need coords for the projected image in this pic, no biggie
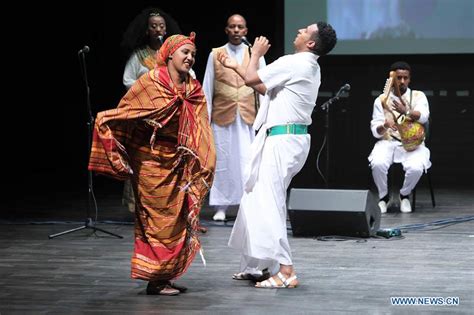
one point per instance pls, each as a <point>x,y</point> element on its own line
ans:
<point>401,19</point>
<point>388,26</point>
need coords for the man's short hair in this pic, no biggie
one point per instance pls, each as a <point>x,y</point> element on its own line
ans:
<point>326,39</point>
<point>400,65</point>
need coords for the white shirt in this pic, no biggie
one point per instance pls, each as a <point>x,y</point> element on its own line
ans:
<point>134,70</point>
<point>292,83</point>
<point>419,103</point>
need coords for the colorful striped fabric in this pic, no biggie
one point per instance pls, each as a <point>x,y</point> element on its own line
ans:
<point>147,57</point>
<point>160,137</point>
<point>171,44</point>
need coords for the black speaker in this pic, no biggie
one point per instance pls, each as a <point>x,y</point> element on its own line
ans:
<point>320,212</point>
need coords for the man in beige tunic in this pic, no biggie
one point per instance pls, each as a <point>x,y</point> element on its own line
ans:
<point>231,107</point>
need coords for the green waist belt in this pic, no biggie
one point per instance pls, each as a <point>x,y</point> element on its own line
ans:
<point>294,129</point>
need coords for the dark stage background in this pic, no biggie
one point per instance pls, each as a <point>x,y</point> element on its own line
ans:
<point>45,128</point>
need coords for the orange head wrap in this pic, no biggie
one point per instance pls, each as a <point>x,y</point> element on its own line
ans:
<point>171,44</point>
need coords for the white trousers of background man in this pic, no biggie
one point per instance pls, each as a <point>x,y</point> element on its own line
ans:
<point>387,152</point>
<point>232,144</point>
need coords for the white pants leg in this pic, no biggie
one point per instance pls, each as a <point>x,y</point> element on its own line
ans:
<point>413,171</point>
<point>232,145</point>
<point>260,231</point>
<point>386,152</point>
<point>381,158</point>
<point>221,208</point>
<point>255,266</point>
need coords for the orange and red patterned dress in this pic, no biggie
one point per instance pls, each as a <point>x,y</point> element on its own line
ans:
<point>160,137</point>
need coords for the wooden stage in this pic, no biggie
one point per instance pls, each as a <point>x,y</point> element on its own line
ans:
<point>86,273</point>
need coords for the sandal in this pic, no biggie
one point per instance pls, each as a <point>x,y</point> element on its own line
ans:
<point>180,288</point>
<point>160,288</point>
<point>286,283</point>
<point>248,276</point>
<point>243,276</point>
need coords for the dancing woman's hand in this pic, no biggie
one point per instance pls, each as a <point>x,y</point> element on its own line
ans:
<point>227,61</point>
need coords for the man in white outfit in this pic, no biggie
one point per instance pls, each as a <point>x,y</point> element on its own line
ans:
<point>279,151</point>
<point>231,107</point>
<point>412,105</point>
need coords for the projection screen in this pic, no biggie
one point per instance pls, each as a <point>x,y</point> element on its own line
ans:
<point>388,26</point>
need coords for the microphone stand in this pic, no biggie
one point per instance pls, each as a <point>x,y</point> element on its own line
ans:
<point>325,107</point>
<point>255,94</point>
<point>89,222</point>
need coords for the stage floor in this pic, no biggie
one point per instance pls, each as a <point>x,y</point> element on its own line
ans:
<point>82,272</point>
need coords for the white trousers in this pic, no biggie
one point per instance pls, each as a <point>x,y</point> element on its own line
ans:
<point>232,154</point>
<point>260,231</point>
<point>387,152</point>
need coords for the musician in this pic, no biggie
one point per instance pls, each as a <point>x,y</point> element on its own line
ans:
<point>387,125</point>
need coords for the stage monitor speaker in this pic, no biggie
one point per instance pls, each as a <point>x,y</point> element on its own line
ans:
<point>322,212</point>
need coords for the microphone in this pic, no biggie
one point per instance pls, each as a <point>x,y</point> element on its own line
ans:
<point>346,87</point>
<point>84,50</point>
<point>160,38</point>
<point>245,41</point>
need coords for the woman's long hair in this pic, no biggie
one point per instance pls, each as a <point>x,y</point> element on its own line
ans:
<point>135,36</point>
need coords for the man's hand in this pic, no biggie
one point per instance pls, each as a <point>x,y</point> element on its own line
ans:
<point>400,107</point>
<point>260,46</point>
<point>389,124</point>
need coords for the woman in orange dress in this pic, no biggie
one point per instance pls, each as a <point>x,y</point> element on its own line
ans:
<point>159,136</point>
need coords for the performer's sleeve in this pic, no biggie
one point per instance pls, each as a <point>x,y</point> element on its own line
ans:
<point>208,83</point>
<point>421,105</point>
<point>276,74</point>
<point>108,156</point>
<point>130,73</point>
<point>378,118</point>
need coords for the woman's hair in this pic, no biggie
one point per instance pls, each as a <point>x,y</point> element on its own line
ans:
<point>135,36</point>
